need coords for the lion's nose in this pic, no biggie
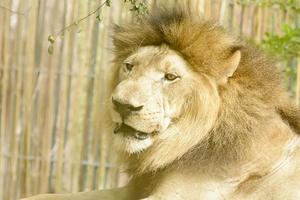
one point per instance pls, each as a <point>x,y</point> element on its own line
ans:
<point>125,109</point>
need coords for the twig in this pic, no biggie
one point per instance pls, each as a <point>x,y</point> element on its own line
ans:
<point>140,8</point>
<point>81,19</point>
<point>12,11</point>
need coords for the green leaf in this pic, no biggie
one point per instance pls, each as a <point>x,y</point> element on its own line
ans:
<point>50,49</point>
<point>99,18</point>
<point>51,39</point>
<point>108,3</point>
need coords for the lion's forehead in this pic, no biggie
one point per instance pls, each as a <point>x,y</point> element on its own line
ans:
<point>161,59</point>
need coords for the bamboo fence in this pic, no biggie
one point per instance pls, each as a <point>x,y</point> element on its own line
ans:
<point>52,134</point>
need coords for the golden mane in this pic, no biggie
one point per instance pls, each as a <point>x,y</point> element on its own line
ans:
<point>252,96</point>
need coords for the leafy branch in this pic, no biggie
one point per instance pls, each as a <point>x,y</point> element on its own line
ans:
<point>139,7</point>
<point>286,45</point>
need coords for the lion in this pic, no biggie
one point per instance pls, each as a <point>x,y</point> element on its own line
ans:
<point>198,114</point>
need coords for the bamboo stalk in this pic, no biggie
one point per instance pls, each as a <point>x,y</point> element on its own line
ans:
<point>30,64</point>
<point>103,136</point>
<point>90,106</point>
<point>47,132</point>
<point>83,48</point>
<point>4,98</point>
<point>59,119</point>
<point>70,58</point>
<point>298,82</point>
<point>223,12</point>
<point>207,10</point>
<point>39,94</point>
<point>202,6</point>
<point>231,11</point>
<point>242,19</point>
<point>16,127</point>
<point>259,24</point>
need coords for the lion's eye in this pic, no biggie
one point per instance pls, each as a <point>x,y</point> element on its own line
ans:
<point>128,66</point>
<point>171,77</point>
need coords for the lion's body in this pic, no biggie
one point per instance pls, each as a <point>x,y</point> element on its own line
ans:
<point>234,133</point>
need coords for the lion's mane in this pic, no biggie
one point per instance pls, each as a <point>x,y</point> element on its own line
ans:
<point>252,96</point>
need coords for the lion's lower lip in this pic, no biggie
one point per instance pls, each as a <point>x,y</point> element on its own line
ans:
<point>130,132</point>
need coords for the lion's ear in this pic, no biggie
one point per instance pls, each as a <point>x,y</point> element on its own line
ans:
<point>229,67</point>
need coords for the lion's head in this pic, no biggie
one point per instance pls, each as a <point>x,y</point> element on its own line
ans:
<point>158,90</point>
<point>181,81</point>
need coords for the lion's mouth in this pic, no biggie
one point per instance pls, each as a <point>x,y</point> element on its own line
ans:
<point>128,131</point>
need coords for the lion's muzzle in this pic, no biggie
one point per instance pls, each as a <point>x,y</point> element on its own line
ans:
<point>125,109</point>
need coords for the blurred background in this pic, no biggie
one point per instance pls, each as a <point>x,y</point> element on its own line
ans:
<point>55,58</point>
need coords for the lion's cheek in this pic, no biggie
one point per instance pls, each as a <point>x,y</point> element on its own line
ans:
<point>173,108</point>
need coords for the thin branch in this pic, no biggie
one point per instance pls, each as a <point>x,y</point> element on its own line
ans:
<point>139,7</point>
<point>81,19</point>
<point>12,11</point>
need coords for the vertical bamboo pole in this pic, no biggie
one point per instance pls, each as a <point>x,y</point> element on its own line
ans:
<point>9,144</point>
<point>59,119</point>
<point>298,82</point>
<point>223,12</point>
<point>297,23</point>
<point>242,18</point>
<point>79,102</point>
<point>2,24</point>
<point>16,127</point>
<point>207,10</point>
<point>86,170</point>
<point>4,91</point>
<point>70,58</point>
<point>231,17</point>
<point>30,64</point>
<point>259,24</point>
<point>39,95</point>
<point>89,109</point>
<point>49,89</point>
<point>202,6</point>
<point>90,104</point>
<point>104,139</point>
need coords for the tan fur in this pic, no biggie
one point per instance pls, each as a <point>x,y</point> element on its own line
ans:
<point>236,134</point>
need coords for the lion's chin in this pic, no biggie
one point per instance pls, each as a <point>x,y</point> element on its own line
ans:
<point>131,140</point>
